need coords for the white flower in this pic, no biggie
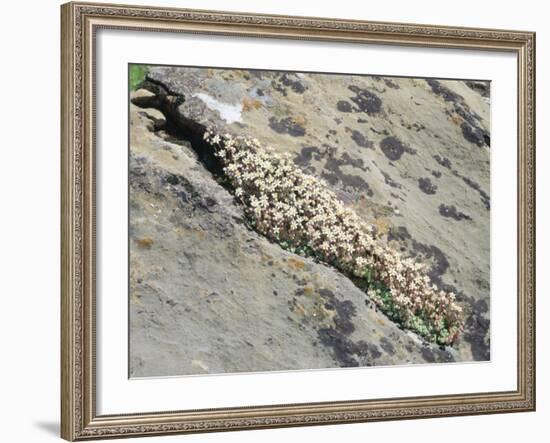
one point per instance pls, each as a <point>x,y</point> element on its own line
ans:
<point>280,194</point>
<point>361,262</point>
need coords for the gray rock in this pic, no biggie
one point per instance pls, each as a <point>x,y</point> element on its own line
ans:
<point>208,295</point>
<point>157,119</point>
<point>374,140</point>
<point>143,98</point>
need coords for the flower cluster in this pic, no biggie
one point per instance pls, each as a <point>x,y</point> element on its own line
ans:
<point>297,211</point>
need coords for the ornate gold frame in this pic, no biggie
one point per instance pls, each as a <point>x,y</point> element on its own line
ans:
<point>79,21</point>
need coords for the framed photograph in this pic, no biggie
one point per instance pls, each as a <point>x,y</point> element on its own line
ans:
<point>282,221</point>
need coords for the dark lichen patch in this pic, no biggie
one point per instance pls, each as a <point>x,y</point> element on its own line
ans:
<point>343,349</point>
<point>418,127</point>
<point>412,126</point>
<point>485,199</point>
<point>452,212</point>
<point>445,356</point>
<point>344,106</point>
<point>481,306</point>
<point>369,349</point>
<point>426,186</point>
<point>293,83</point>
<point>358,163</point>
<point>336,337</point>
<point>287,126</point>
<point>184,190</point>
<point>288,81</point>
<point>427,354</point>
<point>348,180</point>
<point>347,352</point>
<point>390,83</point>
<point>382,132</point>
<point>436,355</point>
<point>333,173</point>
<point>386,345</point>
<point>439,261</point>
<point>443,91</point>
<point>361,140</point>
<point>483,88</point>
<point>389,181</point>
<point>467,115</point>
<point>443,161</point>
<point>482,284</point>
<point>365,101</point>
<point>345,310</point>
<point>279,87</point>
<point>471,129</point>
<point>306,155</point>
<point>475,135</point>
<point>397,197</point>
<point>401,234</point>
<point>477,334</point>
<point>172,179</point>
<point>392,148</point>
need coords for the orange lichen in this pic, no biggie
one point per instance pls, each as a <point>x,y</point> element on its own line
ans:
<point>145,242</point>
<point>296,264</point>
<point>250,104</point>
<point>456,119</point>
<point>299,120</point>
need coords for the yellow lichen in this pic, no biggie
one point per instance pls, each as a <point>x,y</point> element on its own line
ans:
<point>382,225</point>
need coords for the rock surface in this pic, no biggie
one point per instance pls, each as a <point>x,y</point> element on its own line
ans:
<point>208,295</point>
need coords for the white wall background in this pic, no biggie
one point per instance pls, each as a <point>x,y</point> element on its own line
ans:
<point>29,225</point>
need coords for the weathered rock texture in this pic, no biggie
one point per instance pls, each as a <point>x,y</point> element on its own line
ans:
<point>208,295</point>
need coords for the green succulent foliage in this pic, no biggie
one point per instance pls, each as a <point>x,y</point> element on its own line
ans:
<point>417,323</point>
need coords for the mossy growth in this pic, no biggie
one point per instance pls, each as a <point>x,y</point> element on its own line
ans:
<point>136,74</point>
